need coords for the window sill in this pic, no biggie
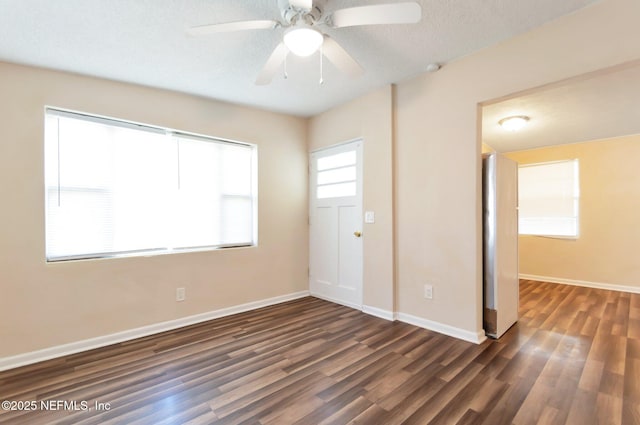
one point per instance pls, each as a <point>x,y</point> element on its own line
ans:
<point>144,253</point>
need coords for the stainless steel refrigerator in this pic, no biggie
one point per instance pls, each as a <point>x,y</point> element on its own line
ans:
<point>500,247</point>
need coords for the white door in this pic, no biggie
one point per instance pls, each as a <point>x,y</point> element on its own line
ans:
<point>335,224</point>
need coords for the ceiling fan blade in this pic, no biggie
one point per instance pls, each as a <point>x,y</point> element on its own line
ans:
<point>340,58</point>
<point>231,26</point>
<point>301,4</point>
<point>278,56</point>
<point>394,13</point>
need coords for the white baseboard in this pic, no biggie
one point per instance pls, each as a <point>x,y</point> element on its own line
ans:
<point>337,301</point>
<point>373,311</point>
<point>378,312</point>
<point>597,285</point>
<point>102,341</point>
<point>475,337</point>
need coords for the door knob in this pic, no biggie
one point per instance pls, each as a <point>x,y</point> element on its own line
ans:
<point>357,234</point>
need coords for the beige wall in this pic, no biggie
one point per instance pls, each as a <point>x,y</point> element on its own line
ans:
<point>44,305</point>
<point>437,187</point>
<point>369,118</point>
<point>607,249</point>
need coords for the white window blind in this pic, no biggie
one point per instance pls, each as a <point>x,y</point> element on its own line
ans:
<point>115,188</point>
<point>549,197</point>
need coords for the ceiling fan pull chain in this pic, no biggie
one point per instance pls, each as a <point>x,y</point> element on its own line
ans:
<point>321,55</point>
<point>285,66</point>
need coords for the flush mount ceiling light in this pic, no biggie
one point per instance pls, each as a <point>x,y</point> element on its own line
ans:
<point>302,40</point>
<point>514,123</point>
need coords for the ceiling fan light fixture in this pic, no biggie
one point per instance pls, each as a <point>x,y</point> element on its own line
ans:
<point>303,40</point>
<point>514,123</point>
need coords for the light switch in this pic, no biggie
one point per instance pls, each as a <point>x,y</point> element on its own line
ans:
<point>369,217</point>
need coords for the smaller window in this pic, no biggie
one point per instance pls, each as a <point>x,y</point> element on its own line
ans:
<point>549,198</point>
<point>336,176</point>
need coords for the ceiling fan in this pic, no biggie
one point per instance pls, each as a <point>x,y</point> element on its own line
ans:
<point>302,20</point>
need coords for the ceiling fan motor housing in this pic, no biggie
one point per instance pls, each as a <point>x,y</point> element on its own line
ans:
<point>291,14</point>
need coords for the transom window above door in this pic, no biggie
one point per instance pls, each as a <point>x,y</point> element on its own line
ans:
<point>336,175</point>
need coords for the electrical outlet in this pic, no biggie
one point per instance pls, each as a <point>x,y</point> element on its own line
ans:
<point>428,292</point>
<point>181,294</point>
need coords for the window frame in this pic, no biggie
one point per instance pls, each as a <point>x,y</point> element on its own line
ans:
<point>169,133</point>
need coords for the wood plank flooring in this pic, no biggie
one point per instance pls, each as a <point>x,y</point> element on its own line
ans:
<point>573,358</point>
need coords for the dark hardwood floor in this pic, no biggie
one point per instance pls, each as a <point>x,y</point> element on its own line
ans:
<point>573,358</point>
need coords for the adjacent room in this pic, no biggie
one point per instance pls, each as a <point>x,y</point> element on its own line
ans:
<point>592,121</point>
<point>210,220</point>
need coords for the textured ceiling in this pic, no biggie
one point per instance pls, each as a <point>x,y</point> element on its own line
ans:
<point>597,107</point>
<point>144,42</point>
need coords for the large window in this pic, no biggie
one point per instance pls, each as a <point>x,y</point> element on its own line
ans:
<point>549,198</point>
<point>115,188</point>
